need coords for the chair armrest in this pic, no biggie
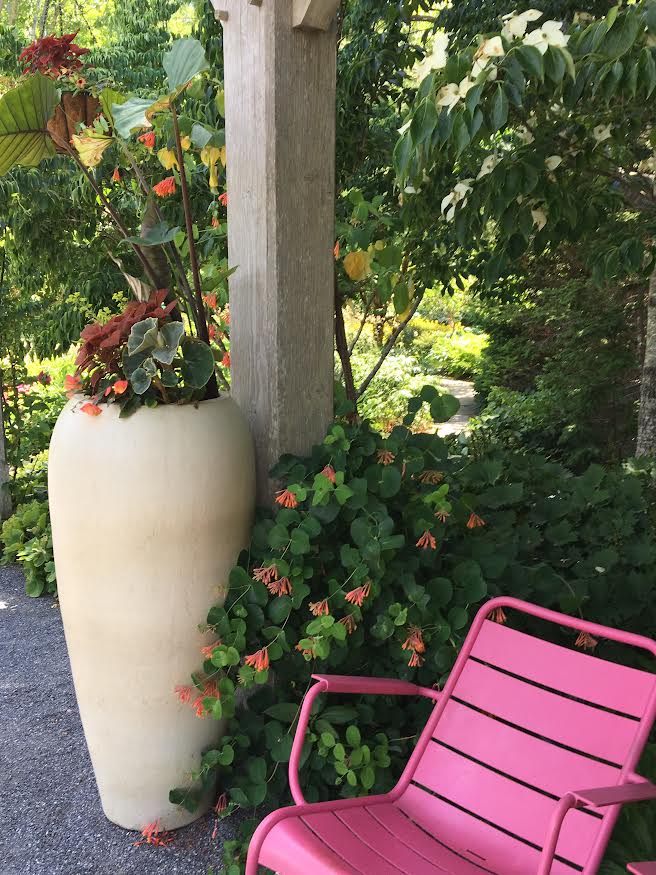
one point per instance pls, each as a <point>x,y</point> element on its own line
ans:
<point>599,797</point>
<point>338,683</point>
<point>618,795</point>
<point>335,683</point>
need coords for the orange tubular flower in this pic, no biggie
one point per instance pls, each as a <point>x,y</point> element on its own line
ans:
<point>265,574</point>
<point>474,521</point>
<point>116,175</point>
<point>358,595</point>
<point>286,498</point>
<point>320,609</point>
<point>215,222</point>
<point>223,199</point>
<point>427,542</point>
<point>415,660</point>
<point>336,250</point>
<point>91,409</point>
<point>498,615</point>
<point>225,361</point>
<point>221,804</point>
<point>349,623</point>
<point>209,650</point>
<point>385,457</point>
<point>259,660</point>
<point>148,139</point>
<point>442,515</point>
<point>280,587</point>
<point>211,689</point>
<point>415,640</point>
<point>152,836</point>
<point>431,477</point>
<point>166,187</point>
<point>329,472</point>
<point>586,641</point>
<point>183,694</point>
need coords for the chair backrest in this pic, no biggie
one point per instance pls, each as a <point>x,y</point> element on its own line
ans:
<point>522,722</point>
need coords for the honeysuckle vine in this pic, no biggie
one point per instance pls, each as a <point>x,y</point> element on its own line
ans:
<point>379,551</point>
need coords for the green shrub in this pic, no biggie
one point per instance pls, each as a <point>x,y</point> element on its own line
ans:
<point>346,578</point>
<point>560,371</point>
<point>27,538</point>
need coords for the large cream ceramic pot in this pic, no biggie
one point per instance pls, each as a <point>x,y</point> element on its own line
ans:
<point>148,514</point>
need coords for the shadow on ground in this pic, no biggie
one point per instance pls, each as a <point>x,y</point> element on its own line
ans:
<point>51,822</point>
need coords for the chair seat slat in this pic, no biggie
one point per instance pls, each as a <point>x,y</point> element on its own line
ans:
<point>361,857</point>
<point>474,839</point>
<point>577,674</point>
<point>546,766</point>
<point>511,806</point>
<point>403,829</point>
<point>370,831</point>
<point>581,727</point>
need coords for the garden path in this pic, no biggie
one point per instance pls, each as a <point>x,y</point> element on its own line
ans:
<point>465,393</point>
<point>51,822</point>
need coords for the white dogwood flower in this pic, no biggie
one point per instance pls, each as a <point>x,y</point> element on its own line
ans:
<point>516,24</point>
<point>491,48</point>
<point>553,161</point>
<point>488,166</point>
<point>437,58</point>
<point>455,197</point>
<point>550,34</point>
<point>524,134</point>
<point>451,94</point>
<point>601,133</point>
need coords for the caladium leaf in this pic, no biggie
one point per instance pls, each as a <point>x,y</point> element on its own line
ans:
<point>197,364</point>
<point>168,341</point>
<point>24,114</point>
<point>143,336</point>
<point>183,62</point>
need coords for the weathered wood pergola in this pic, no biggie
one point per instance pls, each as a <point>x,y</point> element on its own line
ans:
<point>280,72</point>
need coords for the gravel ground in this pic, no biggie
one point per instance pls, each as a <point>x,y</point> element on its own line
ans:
<point>51,822</point>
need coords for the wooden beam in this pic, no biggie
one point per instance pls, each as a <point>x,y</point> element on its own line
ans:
<point>280,138</point>
<point>315,14</point>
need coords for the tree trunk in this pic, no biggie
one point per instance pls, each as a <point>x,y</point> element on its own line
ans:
<point>5,498</point>
<point>647,417</point>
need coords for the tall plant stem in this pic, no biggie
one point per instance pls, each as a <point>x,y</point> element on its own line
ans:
<point>186,202</point>
<point>343,351</point>
<point>171,248</point>
<point>111,212</point>
<point>389,346</point>
<point>212,390</point>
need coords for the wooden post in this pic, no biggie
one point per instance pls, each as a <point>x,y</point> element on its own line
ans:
<point>280,138</point>
<point>5,498</point>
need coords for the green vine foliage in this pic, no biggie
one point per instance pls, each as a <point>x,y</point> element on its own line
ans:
<point>374,564</point>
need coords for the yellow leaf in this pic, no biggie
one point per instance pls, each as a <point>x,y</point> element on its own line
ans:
<point>168,159</point>
<point>185,142</point>
<point>90,147</point>
<point>209,155</point>
<point>356,265</point>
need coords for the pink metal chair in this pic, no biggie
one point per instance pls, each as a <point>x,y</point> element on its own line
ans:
<point>493,785</point>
